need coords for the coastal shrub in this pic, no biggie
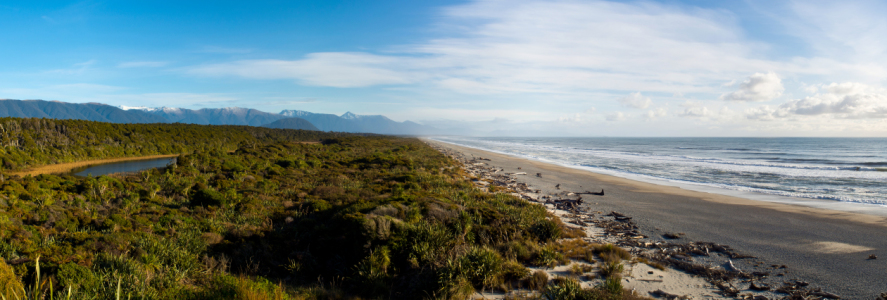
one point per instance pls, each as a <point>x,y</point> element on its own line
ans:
<point>549,257</point>
<point>208,197</point>
<point>10,284</point>
<point>565,289</point>
<point>546,230</point>
<point>578,269</point>
<point>610,253</point>
<point>577,249</point>
<point>482,266</point>
<point>373,217</point>
<point>318,205</point>
<point>77,277</point>
<point>537,281</point>
<point>244,288</point>
<point>612,285</point>
<point>611,268</point>
<point>513,271</point>
<point>521,250</point>
<point>373,270</point>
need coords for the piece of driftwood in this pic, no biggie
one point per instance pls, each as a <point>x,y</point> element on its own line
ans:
<point>730,267</point>
<point>663,294</point>
<point>825,295</point>
<point>759,287</point>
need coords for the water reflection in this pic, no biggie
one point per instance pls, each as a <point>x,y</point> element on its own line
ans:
<point>124,167</point>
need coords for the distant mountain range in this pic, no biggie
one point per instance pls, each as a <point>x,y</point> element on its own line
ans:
<point>289,119</point>
<point>292,123</point>
<point>212,116</point>
<point>349,122</point>
<point>86,111</point>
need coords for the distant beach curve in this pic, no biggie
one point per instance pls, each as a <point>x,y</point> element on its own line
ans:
<point>844,174</point>
<point>828,248</point>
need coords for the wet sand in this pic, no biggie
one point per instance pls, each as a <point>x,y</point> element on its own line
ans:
<point>827,248</point>
<point>67,167</point>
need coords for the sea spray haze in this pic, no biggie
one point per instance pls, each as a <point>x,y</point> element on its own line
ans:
<point>841,169</point>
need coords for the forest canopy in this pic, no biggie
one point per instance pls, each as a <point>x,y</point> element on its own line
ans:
<point>31,142</point>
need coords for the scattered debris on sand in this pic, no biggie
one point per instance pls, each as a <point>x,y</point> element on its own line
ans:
<point>711,264</point>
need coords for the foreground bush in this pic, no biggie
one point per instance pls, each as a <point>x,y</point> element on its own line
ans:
<point>371,217</point>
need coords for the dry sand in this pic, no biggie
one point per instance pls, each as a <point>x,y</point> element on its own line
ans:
<point>67,167</point>
<point>827,248</point>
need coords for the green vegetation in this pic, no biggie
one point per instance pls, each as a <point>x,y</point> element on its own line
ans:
<point>375,217</point>
<point>253,213</point>
<point>26,143</point>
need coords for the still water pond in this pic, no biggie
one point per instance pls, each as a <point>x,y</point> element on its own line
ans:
<point>124,167</point>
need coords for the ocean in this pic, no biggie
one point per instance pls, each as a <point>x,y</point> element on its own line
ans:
<point>852,170</point>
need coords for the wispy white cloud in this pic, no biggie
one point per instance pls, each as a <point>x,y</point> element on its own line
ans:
<point>77,68</point>
<point>616,116</point>
<point>758,87</point>
<point>344,70</point>
<point>839,100</point>
<point>635,100</point>
<point>696,112</point>
<point>563,47</point>
<point>547,60</point>
<point>656,113</point>
<point>69,92</point>
<point>170,99</point>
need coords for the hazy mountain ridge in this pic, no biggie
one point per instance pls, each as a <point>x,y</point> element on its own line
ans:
<point>350,122</point>
<point>78,111</point>
<point>291,123</point>
<point>347,122</point>
<point>213,116</point>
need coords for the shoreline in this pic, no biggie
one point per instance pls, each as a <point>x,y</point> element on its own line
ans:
<point>733,196</point>
<point>67,167</point>
<point>826,248</point>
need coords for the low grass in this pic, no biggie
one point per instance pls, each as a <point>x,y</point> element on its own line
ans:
<point>611,253</point>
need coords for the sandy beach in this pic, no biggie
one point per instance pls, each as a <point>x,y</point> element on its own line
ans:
<point>829,249</point>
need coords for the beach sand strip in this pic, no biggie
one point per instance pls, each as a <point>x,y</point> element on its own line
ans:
<point>773,246</point>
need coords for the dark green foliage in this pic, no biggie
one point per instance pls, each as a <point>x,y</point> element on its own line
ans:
<point>208,197</point>
<point>378,217</point>
<point>547,230</point>
<point>79,277</point>
<point>26,143</point>
<point>570,289</point>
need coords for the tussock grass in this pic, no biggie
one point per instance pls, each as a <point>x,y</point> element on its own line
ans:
<point>537,281</point>
<point>611,268</point>
<point>610,253</point>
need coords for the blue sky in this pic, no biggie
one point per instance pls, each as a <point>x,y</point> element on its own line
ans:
<point>650,68</point>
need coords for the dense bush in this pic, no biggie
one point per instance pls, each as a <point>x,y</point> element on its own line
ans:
<point>376,217</point>
<point>32,142</point>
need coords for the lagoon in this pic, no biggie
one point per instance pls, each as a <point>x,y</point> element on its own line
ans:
<point>124,167</point>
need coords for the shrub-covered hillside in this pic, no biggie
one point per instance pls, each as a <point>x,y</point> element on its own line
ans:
<point>369,217</point>
<point>32,142</point>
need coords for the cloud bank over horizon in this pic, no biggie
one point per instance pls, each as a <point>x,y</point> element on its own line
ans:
<point>569,68</point>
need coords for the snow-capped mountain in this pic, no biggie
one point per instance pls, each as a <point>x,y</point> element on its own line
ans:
<point>351,122</point>
<point>347,122</point>
<point>80,111</point>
